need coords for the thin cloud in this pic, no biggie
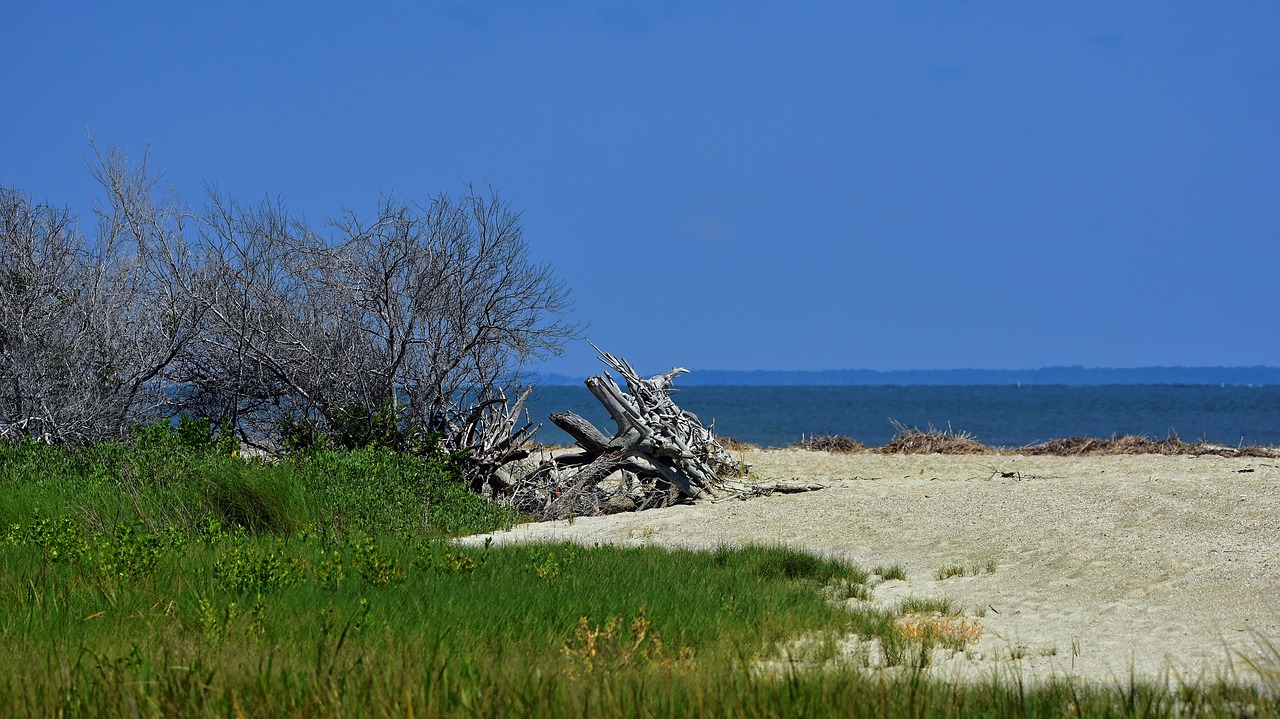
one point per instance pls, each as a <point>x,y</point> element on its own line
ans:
<point>708,229</point>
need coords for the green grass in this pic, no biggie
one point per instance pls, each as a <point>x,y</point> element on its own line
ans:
<point>165,483</point>
<point>216,623</point>
<point>171,620</point>
<point>160,579</point>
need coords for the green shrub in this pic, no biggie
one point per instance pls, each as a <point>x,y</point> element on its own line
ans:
<point>190,435</point>
<point>171,476</point>
<point>356,426</point>
<point>377,490</point>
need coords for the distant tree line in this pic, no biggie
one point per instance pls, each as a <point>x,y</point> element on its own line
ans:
<point>417,321</point>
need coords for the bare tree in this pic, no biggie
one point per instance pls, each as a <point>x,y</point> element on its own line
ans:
<point>273,341</point>
<point>40,256</point>
<point>143,315</point>
<point>429,314</point>
<point>452,305</point>
<point>89,326</point>
<point>431,311</point>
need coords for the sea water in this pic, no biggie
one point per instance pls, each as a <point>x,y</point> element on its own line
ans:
<point>996,415</point>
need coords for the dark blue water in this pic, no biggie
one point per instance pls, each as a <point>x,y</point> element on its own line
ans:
<point>1001,416</point>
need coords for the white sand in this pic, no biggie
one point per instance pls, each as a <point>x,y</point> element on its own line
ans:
<point>1169,566</point>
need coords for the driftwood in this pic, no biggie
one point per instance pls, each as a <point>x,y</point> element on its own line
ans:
<point>659,454</point>
<point>491,436</point>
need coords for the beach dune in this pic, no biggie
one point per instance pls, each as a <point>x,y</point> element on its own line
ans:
<point>1166,567</point>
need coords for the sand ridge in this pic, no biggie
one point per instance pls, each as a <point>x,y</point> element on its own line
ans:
<point>1168,566</point>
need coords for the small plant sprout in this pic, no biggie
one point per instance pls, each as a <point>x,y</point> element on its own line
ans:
<point>547,562</point>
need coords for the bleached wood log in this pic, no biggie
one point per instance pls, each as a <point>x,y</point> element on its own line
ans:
<point>582,431</point>
<point>589,476</point>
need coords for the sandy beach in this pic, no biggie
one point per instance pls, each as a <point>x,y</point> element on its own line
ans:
<point>1091,567</point>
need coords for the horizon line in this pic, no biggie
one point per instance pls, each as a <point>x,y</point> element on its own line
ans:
<point>1053,375</point>
<point>974,369</point>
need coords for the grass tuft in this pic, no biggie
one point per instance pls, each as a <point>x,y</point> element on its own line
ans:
<point>890,572</point>
<point>968,569</point>
<point>929,605</point>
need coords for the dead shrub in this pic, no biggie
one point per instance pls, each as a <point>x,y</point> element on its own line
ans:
<point>1140,444</point>
<point>911,440</point>
<point>835,443</point>
<point>1068,447</point>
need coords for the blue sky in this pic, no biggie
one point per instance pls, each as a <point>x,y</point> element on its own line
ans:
<point>906,185</point>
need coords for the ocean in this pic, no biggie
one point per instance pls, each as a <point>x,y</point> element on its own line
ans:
<point>996,415</point>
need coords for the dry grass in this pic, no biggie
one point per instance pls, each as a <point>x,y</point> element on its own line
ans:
<point>836,443</point>
<point>910,440</point>
<point>1138,444</point>
<point>951,632</point>
<point>734,445</point>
